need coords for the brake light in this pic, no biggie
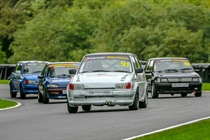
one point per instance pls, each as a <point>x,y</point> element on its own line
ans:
<point>128,85</point>
<point>71,86</point>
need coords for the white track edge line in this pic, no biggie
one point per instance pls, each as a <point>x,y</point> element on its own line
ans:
<point>167,128</point>
<point>18,104</point>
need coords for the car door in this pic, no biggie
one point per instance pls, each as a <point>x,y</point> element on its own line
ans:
<point>16,76</point>
<point>148,72</point>
<point>42,78</point>
<point>141,79</point>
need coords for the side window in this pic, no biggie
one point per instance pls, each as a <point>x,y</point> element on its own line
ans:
<point>44,70</point>
<point>134,62</point>
<point>19,67</point>
<point>137,62</point>
<point>149,65</point>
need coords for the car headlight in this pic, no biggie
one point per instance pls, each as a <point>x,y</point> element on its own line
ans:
<point>123,85</point>
<point>52,85</point>
<point>163,80</point>
<point>197,80</point>
<point>76,86</point>
<point>30,82</point>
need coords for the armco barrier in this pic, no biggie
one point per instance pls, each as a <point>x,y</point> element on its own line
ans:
<point>6,70</point>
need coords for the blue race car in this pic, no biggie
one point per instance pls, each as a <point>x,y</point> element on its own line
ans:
<point>24,78</point>
<point>54,79</point>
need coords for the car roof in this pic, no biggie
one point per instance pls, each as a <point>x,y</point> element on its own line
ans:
<point>109,53</point>
<point>32,61</point>
<point>159,58</point>
<point>63,62</point>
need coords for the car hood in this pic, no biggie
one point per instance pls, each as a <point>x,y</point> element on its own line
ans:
<point>192,74</point>
<point>102,77</point>
<point>58,79</point>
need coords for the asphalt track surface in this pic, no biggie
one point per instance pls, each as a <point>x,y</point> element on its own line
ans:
<point>35,121</point>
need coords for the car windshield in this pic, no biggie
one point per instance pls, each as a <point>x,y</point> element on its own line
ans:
<point>172,66</point>
<point>33,67</point>
<point>106,63</point>
<point>61,69</point>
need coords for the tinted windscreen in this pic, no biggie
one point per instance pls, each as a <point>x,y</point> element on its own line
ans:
<point>107,63</point>
<point>172,65</point>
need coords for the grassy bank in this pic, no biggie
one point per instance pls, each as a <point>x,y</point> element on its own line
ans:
<point>7,103</point>
<point>4,81</point>
<point>195,131</point>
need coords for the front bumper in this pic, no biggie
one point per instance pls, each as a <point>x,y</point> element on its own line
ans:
<point>56,93</point>
<point>167,88</point>
<point>83,97</point>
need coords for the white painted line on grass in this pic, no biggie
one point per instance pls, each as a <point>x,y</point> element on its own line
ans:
<point>18,104</point>
<point>171,127</point>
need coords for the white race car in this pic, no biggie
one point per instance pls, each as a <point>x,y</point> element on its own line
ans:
<point>107,79</point>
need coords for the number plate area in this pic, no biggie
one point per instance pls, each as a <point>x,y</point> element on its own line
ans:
<point>180,85</point>
<point>99,93</point>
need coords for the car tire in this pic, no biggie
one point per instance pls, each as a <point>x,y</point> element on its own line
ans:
<point>22,94</point>
<point>72,109</point>
<point>40,97</point>
<point>135,105</point>
<point>145,102</point>
<point>198,93</point>
<point>12,94</point>
<point>154,93</point>
<point>184,94</point>
<point>86,107</point>
<point>45,98</point>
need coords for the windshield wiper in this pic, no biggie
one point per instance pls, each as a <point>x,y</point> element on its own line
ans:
<point>100,71</point>
<point>121,71</point>
<point>171,70</point>
<point>36,71</point>
<point>186,69</point>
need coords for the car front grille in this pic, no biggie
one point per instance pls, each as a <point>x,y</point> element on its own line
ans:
<point>179,79</point>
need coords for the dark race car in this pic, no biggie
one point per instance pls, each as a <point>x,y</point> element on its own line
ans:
<point>172,75</point>
<point>54,79</point>
<point>24,78</point>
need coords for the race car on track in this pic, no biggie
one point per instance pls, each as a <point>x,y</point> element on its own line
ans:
<point>172,75</point>
<point>107,79</point>
<point>24,78</point>
<point>54,79</point>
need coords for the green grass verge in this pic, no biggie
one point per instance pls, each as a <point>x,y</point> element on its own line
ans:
<point>206,87</point>
<point>195,131</point>
<point>4,81</point>
<point>7,103</point>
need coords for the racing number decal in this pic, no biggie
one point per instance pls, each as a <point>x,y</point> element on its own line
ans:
<point>125,64</point>
<point>186,63</point>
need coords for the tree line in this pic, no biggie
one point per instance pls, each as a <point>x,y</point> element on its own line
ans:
<point>66,30</point>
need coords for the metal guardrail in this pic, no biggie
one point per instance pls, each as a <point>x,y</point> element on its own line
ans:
<point>6,70</point>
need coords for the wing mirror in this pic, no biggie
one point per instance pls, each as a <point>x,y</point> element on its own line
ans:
<point>139,70</point>
<point>40,76</point>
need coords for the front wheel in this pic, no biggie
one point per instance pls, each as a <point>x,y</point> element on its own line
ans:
<point>135,105</point>
<point>12,94</point>
<point>145,102</point>
<point>22,94</point>
<point>154,93</point>
<point>86,107</point>
<point>198,93</point>
<point>72,109</point>
<point>40,97</point>
<point>45,98</point>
